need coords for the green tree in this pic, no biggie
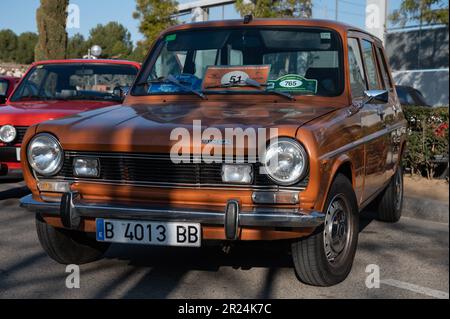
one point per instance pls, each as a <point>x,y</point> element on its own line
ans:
<point>421,12</point>
<point>51,21</point>
<point>8,45</point>
<point>26,43</point>
<point>114,39</point>
<point>154,17</point>
<point>275,8</point>
<point>77,47</point>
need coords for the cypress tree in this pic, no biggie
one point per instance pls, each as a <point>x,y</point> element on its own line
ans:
<point>51,20</point>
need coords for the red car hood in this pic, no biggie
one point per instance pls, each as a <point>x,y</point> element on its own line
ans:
<point>33,112</point>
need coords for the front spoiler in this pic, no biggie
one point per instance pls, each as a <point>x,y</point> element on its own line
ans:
<point>75,208</point>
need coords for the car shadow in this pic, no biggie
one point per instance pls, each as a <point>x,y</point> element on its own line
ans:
<point>166,267</point>
<point>14,193</point>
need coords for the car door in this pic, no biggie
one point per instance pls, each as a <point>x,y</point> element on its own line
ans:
<point>372,119</point>
<point>392,114</point>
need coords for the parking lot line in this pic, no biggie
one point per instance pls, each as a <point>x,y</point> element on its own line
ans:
<point>415,288</point>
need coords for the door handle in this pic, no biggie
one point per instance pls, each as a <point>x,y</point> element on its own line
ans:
<point>381,112</point>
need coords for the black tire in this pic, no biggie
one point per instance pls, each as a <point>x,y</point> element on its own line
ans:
<point>317,262</point>
<point>390,202</point>
<point>67,246</point>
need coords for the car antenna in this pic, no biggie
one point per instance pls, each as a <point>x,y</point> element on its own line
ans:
<point>248,18</point>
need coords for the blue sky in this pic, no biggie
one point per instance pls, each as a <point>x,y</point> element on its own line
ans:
<point>21,14</point>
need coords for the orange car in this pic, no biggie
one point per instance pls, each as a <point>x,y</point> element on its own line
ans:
<point>234,131</point>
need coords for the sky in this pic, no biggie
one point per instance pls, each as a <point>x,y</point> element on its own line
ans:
<point>21,14</point>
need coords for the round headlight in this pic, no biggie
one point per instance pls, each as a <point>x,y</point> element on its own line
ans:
<point>7,133</point>
<point>45,154</point>
<point>286,161</point>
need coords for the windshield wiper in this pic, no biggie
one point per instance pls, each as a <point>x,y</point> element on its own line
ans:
<point>171,79</point>
<point>253,83</point>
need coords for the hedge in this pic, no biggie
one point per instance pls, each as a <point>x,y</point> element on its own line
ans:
<point>427,145</point>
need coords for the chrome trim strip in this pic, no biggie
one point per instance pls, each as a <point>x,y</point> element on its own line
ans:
<point>180,185</point>
<point>361,141</point>
<point>258,217</point>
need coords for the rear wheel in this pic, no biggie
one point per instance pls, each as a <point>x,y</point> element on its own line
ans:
<point>68,246</point>
<point>326,258</point>
<point>390,204</point>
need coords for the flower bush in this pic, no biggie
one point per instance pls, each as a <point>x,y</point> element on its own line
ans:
<point>427,147</point>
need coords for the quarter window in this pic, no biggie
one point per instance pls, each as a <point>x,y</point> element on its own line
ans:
<point>384,70</point>
<point>357,82</point>
<point>371,65</point>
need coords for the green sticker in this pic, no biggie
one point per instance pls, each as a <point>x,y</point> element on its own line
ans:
<point>171,37</point>
<point>293,83</point>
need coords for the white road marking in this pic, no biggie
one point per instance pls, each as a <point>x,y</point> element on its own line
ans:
<point>415,288</point>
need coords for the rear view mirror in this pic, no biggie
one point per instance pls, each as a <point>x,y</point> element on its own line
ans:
<point>376,96</point>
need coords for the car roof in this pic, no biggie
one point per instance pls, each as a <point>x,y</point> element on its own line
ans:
<point>338,26</point>
<point>88,61</point>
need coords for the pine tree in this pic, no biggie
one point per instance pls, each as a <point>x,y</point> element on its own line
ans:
<point>275,8</point>
<point>51,20</point>
<point>421,12</point>
<point>155,16</point>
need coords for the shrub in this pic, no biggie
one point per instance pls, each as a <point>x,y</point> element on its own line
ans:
<point>427,146</point>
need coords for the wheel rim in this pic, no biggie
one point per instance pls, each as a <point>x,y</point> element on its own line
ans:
<point>337,228</point>
<point>398,186</point>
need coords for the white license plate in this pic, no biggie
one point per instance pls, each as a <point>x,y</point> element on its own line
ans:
<point>149,233</point>
<point>18,154</point>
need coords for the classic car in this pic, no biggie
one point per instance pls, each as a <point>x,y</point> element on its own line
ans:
<point>53,89</point>
<point>7,85</point>
<point>240,130</point>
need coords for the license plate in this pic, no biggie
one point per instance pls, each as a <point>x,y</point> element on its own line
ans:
<point>149,233</point>
<point>18,154</point>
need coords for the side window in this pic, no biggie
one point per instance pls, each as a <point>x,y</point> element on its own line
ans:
<point>384,69</point>
<point>3,87</point>
<point>371,65</point>
<point>357,82</point>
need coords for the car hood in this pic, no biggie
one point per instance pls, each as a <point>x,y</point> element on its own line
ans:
<point>148,128</point>
<point>33,112</point>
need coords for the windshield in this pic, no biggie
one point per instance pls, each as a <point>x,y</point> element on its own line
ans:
<point>3,87</point>
<point>76,82</point>
<point>304,61</point>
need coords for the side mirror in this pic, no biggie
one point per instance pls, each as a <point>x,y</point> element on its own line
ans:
<point>3,99</point>
<point>376,96</point>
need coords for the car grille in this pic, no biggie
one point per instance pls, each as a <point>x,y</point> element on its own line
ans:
<point>21,130</point>
<point>159,170</point>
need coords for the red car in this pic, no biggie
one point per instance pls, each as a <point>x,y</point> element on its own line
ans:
<point>7,85</point>
<point>55,89</point>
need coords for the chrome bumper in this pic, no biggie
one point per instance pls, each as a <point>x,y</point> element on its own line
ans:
<point>76,208</point>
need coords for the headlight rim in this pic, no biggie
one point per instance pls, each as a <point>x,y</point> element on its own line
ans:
<point>60,164</point>
<point>15,133</point>
<point>304,152</point>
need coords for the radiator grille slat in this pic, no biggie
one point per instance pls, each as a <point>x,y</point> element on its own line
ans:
<point>157,168</point>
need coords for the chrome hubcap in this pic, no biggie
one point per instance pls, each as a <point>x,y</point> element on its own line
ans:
<point>336,232</point>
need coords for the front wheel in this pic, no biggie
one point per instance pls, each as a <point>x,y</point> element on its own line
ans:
<point>68,246</point>
<point>326,258</point>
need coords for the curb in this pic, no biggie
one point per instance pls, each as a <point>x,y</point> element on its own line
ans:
<point>426,209</point>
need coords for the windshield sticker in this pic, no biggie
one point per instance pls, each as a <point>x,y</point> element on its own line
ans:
<point>293,83</point>
<point>236,78</point>
<point>325,36</point>
<point>171,37</point>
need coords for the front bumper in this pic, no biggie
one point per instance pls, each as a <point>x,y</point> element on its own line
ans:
<point>72,209</point>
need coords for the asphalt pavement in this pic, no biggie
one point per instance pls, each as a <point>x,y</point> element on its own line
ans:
<point>412,257</point>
